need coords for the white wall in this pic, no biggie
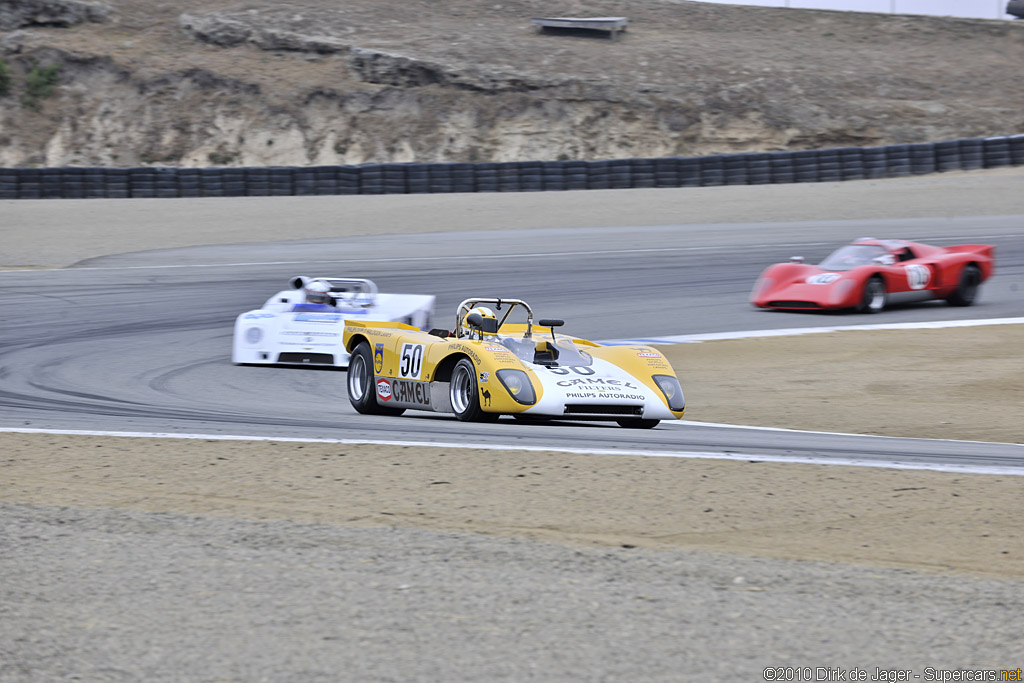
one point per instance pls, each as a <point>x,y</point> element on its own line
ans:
<point>983,9</point>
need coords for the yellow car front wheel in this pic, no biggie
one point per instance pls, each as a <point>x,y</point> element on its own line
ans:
<point>465,394</point>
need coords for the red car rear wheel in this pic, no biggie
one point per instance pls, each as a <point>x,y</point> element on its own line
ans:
<point>967,291</point>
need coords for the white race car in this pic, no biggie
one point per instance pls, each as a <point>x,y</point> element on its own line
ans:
<point>292,328</point>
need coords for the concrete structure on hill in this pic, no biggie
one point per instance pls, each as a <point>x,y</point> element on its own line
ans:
<point>980,9</point>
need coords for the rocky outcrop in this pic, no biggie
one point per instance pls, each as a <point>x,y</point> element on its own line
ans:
<point>225,31</point>
<point>15,14</point>
<point>369,81</point>
<point>368,65</point>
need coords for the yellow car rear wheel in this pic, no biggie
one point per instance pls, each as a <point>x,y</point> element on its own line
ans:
<point>362,391</point>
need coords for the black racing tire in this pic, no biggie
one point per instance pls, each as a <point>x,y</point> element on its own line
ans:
<point>967,291</point>
<point>874,296</point>
<point>637,423</point>
<point>361,392</point>
<point>465,394</point>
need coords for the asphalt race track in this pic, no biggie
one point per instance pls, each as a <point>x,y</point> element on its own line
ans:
<point>141,341</point>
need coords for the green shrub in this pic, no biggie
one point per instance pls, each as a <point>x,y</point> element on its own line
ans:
<point>5,79</point>
<point>220,158</point>
<point>39,85</point>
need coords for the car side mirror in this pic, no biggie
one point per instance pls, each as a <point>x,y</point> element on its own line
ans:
<point>552,323</point>
<point>796,259</point>
<point>474,320</point>
<point>885,260</point>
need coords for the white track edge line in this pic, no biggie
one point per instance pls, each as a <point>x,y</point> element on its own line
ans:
<point>793,331</point>
<point>724,425</point>
<point>696,455</point>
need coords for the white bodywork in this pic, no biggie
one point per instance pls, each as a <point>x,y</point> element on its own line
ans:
<point>276,335</point>
<point>600,385</point>
<point>576,386</point>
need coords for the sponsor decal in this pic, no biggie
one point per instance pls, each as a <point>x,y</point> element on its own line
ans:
<point>376,333</point>
<point>410,364</point>
<point>412,393</point>
<point>649,354</point>
<point>596,383</point>
<point>609,396</point>
<point>318,317</point>
<point>384,389</point>
<point>823,278</point>
<point>378,358</point>
<point>257,316</point>
<point>497,349</point>
<point>306,342</point>
<point>918,276</point>
<point>468,350</point>
<point>485,377</point>
<point>310,333</point>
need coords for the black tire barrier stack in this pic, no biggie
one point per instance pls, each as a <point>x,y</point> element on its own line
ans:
<point>759,168</point>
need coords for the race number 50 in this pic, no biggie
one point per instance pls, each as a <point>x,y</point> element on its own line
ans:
<point>412,361</point>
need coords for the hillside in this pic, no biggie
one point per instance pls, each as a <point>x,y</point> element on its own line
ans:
<point>219,82</point>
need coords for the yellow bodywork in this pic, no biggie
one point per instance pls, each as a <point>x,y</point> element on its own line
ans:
<point>438,354</point>
<point>410,360</point>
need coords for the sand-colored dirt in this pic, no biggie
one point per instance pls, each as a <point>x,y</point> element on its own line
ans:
<point>956,383</point>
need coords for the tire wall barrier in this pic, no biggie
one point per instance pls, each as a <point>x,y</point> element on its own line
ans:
<point>811,166</point>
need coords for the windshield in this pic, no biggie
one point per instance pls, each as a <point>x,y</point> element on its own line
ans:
<point>540,350</point>
<point>851,256</point>
<point>569,355</point>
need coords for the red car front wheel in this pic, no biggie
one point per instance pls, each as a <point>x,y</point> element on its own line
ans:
<point>874,296</point>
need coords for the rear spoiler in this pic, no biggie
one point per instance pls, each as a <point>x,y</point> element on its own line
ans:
<point>365,324</point>
<point>984,250</point>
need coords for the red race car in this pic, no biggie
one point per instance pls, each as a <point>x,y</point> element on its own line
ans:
<point>868,274</point>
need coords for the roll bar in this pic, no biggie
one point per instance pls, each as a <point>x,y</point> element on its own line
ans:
<point>468,304</point>
<point>349,289</point>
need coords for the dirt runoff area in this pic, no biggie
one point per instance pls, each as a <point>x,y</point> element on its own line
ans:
<point>898,383</point>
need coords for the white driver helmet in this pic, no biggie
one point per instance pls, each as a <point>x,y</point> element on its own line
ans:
<point>485,314</point>
<point>318,293</point>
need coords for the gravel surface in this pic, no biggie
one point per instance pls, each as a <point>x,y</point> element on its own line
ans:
<point>108,595</point>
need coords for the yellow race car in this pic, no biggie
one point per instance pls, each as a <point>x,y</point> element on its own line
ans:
<point>490,366</point>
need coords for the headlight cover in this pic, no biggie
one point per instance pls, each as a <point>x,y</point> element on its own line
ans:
<point>517,384</point>
<point>253,335</point>
<point>760,285</point>
<point>673,391</point>
<point>842,289</point>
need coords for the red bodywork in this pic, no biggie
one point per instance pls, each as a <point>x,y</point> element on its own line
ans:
<point>918,272</point>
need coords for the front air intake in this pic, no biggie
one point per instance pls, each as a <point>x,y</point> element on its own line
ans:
<point>596,409</point>
<point>306,358</point>
<point>793,304</point>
